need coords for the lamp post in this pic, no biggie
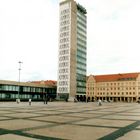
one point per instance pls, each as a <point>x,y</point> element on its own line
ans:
<point>19,80</point>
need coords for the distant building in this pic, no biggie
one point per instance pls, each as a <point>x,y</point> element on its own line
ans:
<point>11,90</point>
<point>72,50</point>
<point>124,87</point>
<point>46,82</point>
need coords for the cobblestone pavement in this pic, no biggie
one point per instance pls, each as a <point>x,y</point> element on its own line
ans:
<point>69,121</point>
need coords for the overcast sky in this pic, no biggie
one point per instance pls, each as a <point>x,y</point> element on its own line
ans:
<point>29,33</point>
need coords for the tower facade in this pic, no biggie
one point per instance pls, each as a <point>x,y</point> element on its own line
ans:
<point>71,80</point>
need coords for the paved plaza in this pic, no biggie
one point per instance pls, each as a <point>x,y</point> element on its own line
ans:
<point>69,121</point>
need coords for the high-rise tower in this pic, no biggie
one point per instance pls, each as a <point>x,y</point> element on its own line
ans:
<point>72,51</point>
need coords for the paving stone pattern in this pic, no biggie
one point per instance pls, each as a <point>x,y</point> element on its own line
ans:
<point>69,121</point>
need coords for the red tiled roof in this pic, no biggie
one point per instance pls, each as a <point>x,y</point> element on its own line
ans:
<point>116,77</point>
<point>47,82</point>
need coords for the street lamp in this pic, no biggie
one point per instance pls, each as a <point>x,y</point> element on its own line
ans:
<point>19,80</point>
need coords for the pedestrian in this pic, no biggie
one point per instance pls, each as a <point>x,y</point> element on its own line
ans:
<point>99,102</point>
<point>30,101</point>
<point>17,101</point>
<point>45,98</point>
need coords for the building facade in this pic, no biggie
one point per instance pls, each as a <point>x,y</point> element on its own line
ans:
<point>12,90</point>
<point>72,50</point>
<point>114,87</point>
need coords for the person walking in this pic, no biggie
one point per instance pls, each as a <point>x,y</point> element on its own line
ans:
<point>45,98</point>
<point>30,101</point>
<point>99,102</point>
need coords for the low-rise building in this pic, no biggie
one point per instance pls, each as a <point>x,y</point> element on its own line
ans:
<point>37,90</point>
<point>124,87</point>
